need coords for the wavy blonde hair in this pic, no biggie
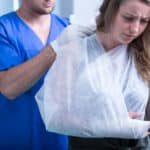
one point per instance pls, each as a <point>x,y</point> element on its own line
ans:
<point>140,47</point>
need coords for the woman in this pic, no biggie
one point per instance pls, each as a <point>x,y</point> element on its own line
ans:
<point>94,76</point>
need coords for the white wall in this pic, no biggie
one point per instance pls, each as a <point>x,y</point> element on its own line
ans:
<point>63,7</point>
<point>86,10</point>
<point>8,5</point>
<point>81,11</point>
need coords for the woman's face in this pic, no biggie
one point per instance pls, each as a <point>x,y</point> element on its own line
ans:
<point>131,20</point>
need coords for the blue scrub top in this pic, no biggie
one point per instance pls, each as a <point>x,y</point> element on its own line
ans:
<point>21,126</point>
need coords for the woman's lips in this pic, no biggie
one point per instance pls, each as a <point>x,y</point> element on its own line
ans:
<point>130,36</point>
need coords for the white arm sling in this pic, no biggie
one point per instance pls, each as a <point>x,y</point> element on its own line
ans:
<point>87,98</point>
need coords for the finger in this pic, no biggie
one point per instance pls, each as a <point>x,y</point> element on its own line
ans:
<point>148,133</point>
<point>136,114</point>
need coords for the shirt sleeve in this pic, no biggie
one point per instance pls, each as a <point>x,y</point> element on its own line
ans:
<point>9,56</point>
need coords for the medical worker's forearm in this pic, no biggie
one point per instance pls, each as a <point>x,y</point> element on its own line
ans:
<point>20,78</point>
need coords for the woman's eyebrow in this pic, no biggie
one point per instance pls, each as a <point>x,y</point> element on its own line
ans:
<point>136,16</point>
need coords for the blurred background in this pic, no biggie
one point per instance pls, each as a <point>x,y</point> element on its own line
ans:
<point>83,9</point>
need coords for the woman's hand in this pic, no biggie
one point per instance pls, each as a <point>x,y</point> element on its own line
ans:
<point>135,115</point>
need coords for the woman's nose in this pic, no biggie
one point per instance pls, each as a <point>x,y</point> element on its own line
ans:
<point>135,27</point>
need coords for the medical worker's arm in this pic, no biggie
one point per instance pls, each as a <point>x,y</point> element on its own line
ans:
<point>18,79</point>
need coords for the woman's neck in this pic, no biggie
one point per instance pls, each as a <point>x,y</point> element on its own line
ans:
<point>106,40</point>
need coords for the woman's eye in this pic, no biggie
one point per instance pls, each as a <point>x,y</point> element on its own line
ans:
<point>128,18</point>
<point>132,19</point>
<point>143,21</point>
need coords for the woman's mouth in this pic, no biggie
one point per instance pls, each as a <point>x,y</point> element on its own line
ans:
<point>129,36</point>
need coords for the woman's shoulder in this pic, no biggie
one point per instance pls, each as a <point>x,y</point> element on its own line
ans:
<point>74,33</point>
